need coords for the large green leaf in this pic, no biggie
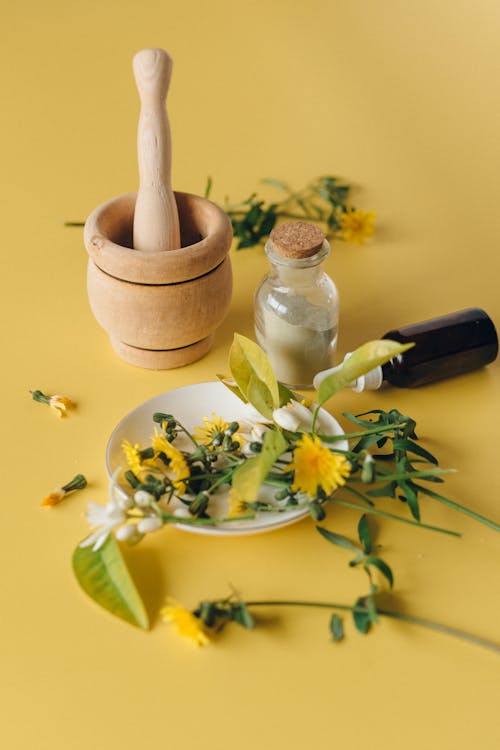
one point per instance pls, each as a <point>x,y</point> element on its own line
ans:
<point>361,361</point>
<point>249,477</point>
<point>260,397</point>
<point>103,575</point>
<point>248,362</point>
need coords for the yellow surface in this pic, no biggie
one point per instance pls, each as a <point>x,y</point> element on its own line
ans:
<point>401,98</point>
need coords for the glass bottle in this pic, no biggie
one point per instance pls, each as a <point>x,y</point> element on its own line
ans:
<point>450,345</point>
<point>297,305</point>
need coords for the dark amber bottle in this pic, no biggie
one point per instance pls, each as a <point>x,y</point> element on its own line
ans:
<point>444,347</point>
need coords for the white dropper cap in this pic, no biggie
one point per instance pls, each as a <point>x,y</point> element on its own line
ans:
<point>370,381</point>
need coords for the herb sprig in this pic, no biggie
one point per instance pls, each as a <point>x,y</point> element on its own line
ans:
<point>324,200</point>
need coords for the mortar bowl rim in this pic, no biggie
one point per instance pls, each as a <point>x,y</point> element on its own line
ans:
<point>167,267</point>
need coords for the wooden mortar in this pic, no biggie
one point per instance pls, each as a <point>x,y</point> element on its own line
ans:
<point>159,277</point>
<point>160,309</point>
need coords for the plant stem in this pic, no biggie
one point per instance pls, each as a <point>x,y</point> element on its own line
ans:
<point>430,624</point>
<point>170,518</point>
<point>186,432</point>
<point>360,433</point>
<point>393,516</point>
<point>412,474</point>
<point>460,508</point>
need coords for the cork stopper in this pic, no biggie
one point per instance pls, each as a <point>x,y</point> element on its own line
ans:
<point>297,239</point>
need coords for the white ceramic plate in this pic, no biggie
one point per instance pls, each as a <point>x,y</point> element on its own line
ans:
<point>189,405</point>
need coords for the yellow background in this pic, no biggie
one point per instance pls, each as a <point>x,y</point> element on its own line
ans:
<point>400,98</point>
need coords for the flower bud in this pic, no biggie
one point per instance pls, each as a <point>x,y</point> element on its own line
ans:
<point>148,525</point>
<point>124,533</point>
<point>282,494</point>
<point>143,499</point>
<point>199,504</point>
<point>368,470</point>
<point>317,511</point>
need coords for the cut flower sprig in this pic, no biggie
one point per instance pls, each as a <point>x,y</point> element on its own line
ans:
<point>60,493</point>
<point>60,405</point>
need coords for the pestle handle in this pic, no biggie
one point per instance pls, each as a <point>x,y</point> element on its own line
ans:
<point>156,220</point>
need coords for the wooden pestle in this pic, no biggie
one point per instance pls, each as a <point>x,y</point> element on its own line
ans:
<point>156,220</point>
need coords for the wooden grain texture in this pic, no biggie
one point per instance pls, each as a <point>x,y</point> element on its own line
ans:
<point>160,309</point>
<point>163,316</point>
<point>156,221</point>
<point>169,359</point>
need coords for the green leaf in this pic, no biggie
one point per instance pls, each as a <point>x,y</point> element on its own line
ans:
<point>411,498</point>
<point>362,619</point>
<point>411,447</point>
<point>338,539</point>
<point>260,397</point>
<point>208,188</point>
<point>103,575</point>
<point>242,616</point>
<point>370,603</point>
<point>336,628</point>
<point>249,476</point>
<point>387,490</point>
<point>361,361</point>
<point>275,183</point>
<point>247,360</point>
<point>382,567</point>
<point>364,534</point>
<point>286,395</point>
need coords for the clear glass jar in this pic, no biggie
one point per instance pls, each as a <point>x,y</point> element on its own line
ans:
<point>296,315</point>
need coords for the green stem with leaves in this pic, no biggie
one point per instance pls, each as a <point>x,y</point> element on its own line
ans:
<point>430,624</point>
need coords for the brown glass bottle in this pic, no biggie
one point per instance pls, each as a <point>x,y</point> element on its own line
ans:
<point>444,347</point>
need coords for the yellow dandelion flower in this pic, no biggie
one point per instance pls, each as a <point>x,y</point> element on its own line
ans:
<point>133,457</point>
<point>178,465</point>
<point>316,466</point>
<point>357,226</point>
<point>186,623</point>
<point>237,506</point>
<point>206,433</point>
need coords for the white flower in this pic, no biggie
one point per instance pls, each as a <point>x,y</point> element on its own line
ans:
<point>103,519</point>
<point>251,432</point>
<point>293,416</point>
<point>147,525</point>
